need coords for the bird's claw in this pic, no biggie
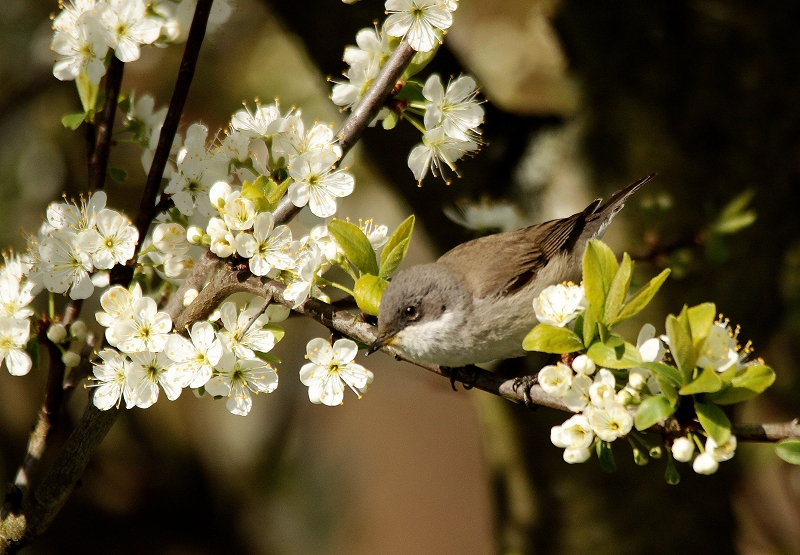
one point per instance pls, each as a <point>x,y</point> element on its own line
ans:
<point>526,383</point>
<point>466,375</point>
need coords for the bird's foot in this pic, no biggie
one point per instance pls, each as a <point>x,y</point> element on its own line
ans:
<point>526,383</point>
<point>465,374</point>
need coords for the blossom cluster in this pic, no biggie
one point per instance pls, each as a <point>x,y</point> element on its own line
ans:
<point>223,356</point>
<point>451,115</point>
<point>87,30</point>
<point>16,294</point>
<point>74,242</point>
<point>607,400</point>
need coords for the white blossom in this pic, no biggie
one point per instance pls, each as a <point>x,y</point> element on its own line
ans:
<point>418,20</point>
<point>722,452</point>
<point>14,335</point>
<point>145,330</point>
<point>267,248</point>
<point>238,378</point>
<point>317,184</point>
<point>330,369</point>
<point>194,360</point>
<point>147,372</point>
<point>558,305</point>
<point>437,151</point>
<point>555,380</point>
<point>110,379</point>
<point>455,109</point>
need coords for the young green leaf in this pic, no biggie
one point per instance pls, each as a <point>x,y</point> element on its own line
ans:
<point>707,382</point>
<point>118,175</point>
<point>651,411</point>
<point>599,268</point>
<point>618,290</point>
<point>624,356</point>
<point>714,422</point>
<point>368,292</point>
<point>701,318</point>
<point>735,216</point>
<point>545,338</point>
<point>753,381</point>
<point>680,345</point>
<point>355,245</point>
<point>789,450</point>
<point>258,190</point>
<point>73,121</point>
<point>641,298</point>
<point>402,233</point>
<point>589,327</point>
<point>87,91</point>
<point>665,371</point>
<point>390,264</point>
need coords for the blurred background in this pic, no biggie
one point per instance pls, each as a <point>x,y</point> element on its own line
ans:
<point>583,98</point>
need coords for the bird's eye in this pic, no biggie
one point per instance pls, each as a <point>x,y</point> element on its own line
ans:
<point>410,311</point>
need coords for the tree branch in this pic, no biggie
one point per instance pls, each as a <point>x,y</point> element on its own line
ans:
<point>362,115</point>
<point>98,162</point>
<point>229,281</point>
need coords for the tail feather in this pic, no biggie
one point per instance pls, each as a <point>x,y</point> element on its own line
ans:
<point>598,221</point>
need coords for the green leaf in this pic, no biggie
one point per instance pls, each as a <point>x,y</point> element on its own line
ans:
<point>368,292</point>
<point>356,247</point>
<point>275,330</point>
<point>680,345</point>
<point>789,450</point>
<point>714,422</point>
<point>753,381</point>
<point>589,327</point>
<point>606,457</point>
<point>552,339</point>
<point>625,356</point>
<point>73,121</point>
<point>599,268</point>
<point>274,197</point>
<point>642,297</point>
<point>258,191</point>
<point>392,262</point>
<point>669,373</point>
<point>268,357</point>
<point>735,216</point>
<point>651,411</point>
<point>421,59</point>
<point>118,175</point>
<point>707,382</point>
<point>402,233</point>
<point>619,288</point>
<point>87,91</point>
<point>668,389</point>
<point>701,318</point>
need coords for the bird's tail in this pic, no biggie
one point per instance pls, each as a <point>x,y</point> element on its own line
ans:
<point>598,217</point>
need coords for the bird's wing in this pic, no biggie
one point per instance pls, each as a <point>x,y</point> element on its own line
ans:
<point>499,264</point>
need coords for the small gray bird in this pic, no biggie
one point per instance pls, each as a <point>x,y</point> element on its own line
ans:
<point>474,304</point>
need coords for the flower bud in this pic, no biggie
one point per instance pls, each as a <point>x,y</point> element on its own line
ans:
<point>574,455</point>
<point>584,365</point>
<point>555,436</point>
<point>683,449</point>
<point>195,235</point>
<point>78,330</point>
<point>189,296</point>
<point>705,464</point>
<point>57,333</point>
<point>636,380</point>
<point>71,359</point>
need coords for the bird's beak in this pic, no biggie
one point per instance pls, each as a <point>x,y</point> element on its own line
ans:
<point>384,339</point>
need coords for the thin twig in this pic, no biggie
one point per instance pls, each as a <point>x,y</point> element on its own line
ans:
<point>362,115</point>
<point>98,162</point>
<point>197,32</point>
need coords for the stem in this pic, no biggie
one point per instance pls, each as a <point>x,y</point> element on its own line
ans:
<point>197,32</point>
<point>336,285</point>
<point>98,162</point>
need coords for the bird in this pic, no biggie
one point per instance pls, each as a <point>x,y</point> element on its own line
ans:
<point>474,304</point>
